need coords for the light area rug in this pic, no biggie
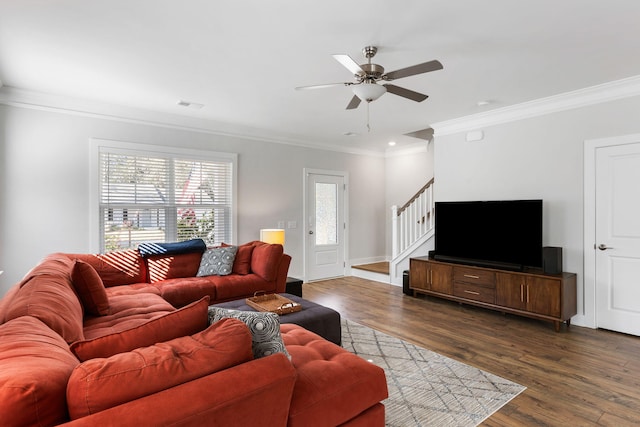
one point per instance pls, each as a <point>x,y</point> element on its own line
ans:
<point>426,388</point>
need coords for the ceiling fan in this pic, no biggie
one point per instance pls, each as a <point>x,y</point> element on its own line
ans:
<point>366,87</point>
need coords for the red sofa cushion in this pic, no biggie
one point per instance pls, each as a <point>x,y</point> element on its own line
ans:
<point>183,290</point>
<point>163,267</point>
<point>99,384</point>
<point>242,262</point>
<point>117,267</point>
<point>35,365</point>
<point>90,288</point>
<point>265,260</point>
<point>333,384</point>
<point>259,396</point>
<point>126,311</point>
<point>185,321</point>
<point>236,286</point>
<point>47,294</point>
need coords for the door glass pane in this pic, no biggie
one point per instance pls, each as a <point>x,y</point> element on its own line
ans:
<point>326,214</point>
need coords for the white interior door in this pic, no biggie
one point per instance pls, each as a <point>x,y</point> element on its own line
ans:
<point>618,238</point>
<point>325,226</point>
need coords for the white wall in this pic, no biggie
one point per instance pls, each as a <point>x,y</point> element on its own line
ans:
<point>407,172</point>
<point>44,185</point>
<point>541,157</point>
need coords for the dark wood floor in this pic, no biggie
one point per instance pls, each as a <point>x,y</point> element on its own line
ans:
<point>577,377</point>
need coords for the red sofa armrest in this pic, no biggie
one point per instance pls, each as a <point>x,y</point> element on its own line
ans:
<point>255,393</point>
<point>283,272</point>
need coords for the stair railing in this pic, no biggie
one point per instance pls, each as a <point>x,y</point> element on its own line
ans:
<point>413,220</point>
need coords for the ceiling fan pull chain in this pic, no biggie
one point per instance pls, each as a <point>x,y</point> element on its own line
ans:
<point>368,127</point>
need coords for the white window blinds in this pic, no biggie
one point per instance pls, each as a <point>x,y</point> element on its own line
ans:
<point>160,197</point>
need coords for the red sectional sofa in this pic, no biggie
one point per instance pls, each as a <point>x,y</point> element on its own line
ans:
<point>119,340</point>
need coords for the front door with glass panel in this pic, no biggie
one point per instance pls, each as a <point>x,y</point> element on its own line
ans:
<point>325,226</point>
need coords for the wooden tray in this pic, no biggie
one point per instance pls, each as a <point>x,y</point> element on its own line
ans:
<point>273,303</point>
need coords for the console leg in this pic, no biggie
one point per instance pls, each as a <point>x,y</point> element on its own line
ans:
<point>557,325</point>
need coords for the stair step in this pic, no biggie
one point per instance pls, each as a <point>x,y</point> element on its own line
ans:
<point>376,267</point>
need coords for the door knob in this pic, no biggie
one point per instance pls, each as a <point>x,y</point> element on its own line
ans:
<point>603,247</point>
<point>310,231</point>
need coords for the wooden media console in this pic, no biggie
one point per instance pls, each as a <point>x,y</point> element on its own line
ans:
<point>529,293</point>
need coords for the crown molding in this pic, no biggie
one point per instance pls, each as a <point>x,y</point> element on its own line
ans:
<point>605,92</point>
<point>22,98</point>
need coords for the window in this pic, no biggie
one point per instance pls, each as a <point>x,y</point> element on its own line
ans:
<point>163,196</point>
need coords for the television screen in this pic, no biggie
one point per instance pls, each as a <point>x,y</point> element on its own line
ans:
<point>501,232</point>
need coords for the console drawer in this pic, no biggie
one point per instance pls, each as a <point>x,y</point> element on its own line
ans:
<point>474,276</point>
<point>474,292</point>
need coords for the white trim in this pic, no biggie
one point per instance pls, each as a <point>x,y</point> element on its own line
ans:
<point>588,316</point>
<point>371,275</point>
<point>305,177</point>
<point>565,101</point>
<point>94,184</point>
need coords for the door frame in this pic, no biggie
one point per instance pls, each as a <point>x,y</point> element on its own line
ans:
<point>305,177</point>
<point>589,312</point>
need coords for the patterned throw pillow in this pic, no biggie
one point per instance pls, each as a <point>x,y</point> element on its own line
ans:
<point>217,261</point>
<point>264,327</point>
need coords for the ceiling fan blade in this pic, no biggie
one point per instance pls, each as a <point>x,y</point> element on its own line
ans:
<point>349,63</point>
<point>355,101</point>
<point>323,86</point>
<point>413,70</point>
<point>426,134</point>
<point>406,93</point>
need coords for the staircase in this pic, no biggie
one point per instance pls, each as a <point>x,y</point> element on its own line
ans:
<point>412,235</point>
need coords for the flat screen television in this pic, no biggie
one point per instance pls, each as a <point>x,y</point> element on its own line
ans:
<point>502,234</point>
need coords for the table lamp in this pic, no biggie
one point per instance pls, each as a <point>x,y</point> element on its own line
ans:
<point>272,235</point>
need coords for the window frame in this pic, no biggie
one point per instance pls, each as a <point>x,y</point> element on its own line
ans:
<point>96,233</point>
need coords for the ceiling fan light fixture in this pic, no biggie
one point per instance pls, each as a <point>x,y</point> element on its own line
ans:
<point>368,91</point>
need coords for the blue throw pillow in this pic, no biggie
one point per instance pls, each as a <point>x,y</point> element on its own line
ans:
<point>174,248</point>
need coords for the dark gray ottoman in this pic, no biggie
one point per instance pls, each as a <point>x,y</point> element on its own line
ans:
<point>316,318</point>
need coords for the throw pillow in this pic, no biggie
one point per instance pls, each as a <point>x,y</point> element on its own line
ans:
<point>90,289</point>
<point>172,248</point>
<point>242,263</point>
<point>217,261</point>
<point>187,320</point>
<point>265,260</point>
<point>99,384</point>
<point>264,326</point>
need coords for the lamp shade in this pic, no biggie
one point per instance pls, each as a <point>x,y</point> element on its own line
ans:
<point>368,91</point>
<point>272,235</point>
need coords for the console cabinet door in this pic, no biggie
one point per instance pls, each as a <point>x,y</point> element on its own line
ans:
<point>441,278</point>
<point>418,274</point>
<point>543,296</point>
<point>535,294</point>
<point>511,291</point>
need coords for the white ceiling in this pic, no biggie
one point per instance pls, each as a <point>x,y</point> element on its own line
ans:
<point>242,59</point>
